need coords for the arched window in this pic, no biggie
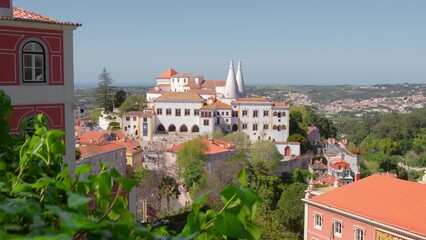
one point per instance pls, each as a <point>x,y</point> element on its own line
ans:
<point>33,63</point>
<point>234,127</point>
<point>287,151</point>
<point>275,114</point>
<point>275,127</point>
<point>284,114</point>
<point>172,128</point>
<point>183,128</point>
<point>161,128</point>
<point>195,129</point>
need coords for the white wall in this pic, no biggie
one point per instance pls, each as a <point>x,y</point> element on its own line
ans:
<point>177,121</point>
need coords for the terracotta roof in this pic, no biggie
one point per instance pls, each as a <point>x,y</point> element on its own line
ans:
<point>252,100</point>
<point>179,97</point>
<point>20,14</point>
<point>214,83</point>
<point>120,134</point>
<point>163,85</point>
<point>212,147</point>
<point>131,146</point>
<point>221,105</point>
<point>384,199</point>
<point>203,91</point>
<point>168,73</point>
<point>186,75</point>
<point>327,180</point>
<point>95,136</point>
<point>95,149</point>
<point>207,107</point>
<point>192,85</point>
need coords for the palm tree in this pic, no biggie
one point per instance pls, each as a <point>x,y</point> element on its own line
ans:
<point>168,187</point>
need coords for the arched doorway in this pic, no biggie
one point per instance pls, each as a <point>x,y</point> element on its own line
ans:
<point>287,151</point>
<point>172,128</point>
<point>195,129</point>
<point>234,127</point>
<point>183,128</point>
<point>161,129</point>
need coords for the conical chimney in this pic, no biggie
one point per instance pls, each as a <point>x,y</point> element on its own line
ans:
<point>240,81</point>
<point>231,88</point>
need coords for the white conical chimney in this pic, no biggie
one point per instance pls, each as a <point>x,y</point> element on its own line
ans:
<point>240,81</point>
<point>6,8</point>
<point>231,88</point>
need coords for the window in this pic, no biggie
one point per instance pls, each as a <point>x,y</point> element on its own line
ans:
<point>33,65</point>
<point>168,111</point>
<point>196,112</point>
<point>227,113</point>
<point>145,120</point>
<point>254,127</point>
<point>265,113</point>
<point>244,112</point>
<point>265,126</point>
<point>187,112</point>
<point>234,113</point>
<point>127,118</point>
<point>206,122</point>
<point>359,233</point>
<point>337,228</point>
<point>244,125</point>
<point>134,118</point>
<point>134,126</point>
<point>177,112</point>
<point>317,221</point>
<point>218,120</point>
<point>255,113</point>
<point>159,111</point>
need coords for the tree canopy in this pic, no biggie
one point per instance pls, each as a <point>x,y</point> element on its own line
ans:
<point>265,153</point>
<point>191,161</point>
<point>133,103</point>
<point>104,92</point>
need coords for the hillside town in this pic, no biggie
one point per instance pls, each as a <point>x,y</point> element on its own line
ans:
<point>127,173</point>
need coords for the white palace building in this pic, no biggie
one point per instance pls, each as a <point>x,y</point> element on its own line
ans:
<point>188,104</point>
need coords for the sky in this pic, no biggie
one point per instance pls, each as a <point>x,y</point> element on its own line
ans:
<point>281,42</point>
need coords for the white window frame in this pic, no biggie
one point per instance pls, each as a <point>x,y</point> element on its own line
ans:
<point>33,54</point>
<point>318,226</point>
<point>359,237</point>
<point>335,232</point>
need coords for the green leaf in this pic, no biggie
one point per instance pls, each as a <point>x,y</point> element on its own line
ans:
<point>242,177</point>
<point>82,169</point>
<point>104,184</point>
<point>76,200</point>
<point>230,226</point>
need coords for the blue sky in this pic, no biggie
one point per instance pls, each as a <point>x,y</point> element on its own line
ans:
<point>279,42</point>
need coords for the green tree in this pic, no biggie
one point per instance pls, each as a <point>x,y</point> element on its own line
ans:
<point>114,126</point>
<point>191,161</point>
<point>119,98</point>
<point>133,103</point>
<point>168,187</point>
<point>77,153</point>
<point>304,144</point>
<point>291,207</point>
<point>241,140</point>
<point>265,153</point>
<point>104,92</point>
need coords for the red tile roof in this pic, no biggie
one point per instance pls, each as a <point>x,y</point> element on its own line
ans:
<point>203,91</point>
<point>93,137</point>
<point>168,73</point>
<point>384,199</point>
<point>131,146</point>
<point>95,149</point>
<point>138,113</point>
<point>214,83</point>
<point>187,75</point>
<point>20,14</point>
<point>212,147</point>
<point>221,105</point>
<point>252,100</point>
<point>179,97</point>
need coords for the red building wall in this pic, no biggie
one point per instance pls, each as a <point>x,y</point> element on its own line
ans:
<point>11,40</point>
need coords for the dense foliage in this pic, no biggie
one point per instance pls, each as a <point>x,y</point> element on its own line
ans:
<point>39,199</point>
<point>191,161</point>
<point>385,141</point>
<point>133,103</point>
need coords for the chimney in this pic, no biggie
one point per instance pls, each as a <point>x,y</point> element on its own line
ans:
<point>6,8</point>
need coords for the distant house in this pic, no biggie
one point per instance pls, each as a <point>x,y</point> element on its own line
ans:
<point>216,150</point>
<point>377,207</point>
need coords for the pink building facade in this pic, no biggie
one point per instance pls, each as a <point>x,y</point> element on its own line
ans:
<point>377,207</point>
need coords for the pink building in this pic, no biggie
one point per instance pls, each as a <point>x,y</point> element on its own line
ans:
<point>36,69</point>
<point>377,207</point>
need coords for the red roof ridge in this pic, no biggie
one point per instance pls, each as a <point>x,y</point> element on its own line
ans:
<point>20,14</point>
<point>168,73</point>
